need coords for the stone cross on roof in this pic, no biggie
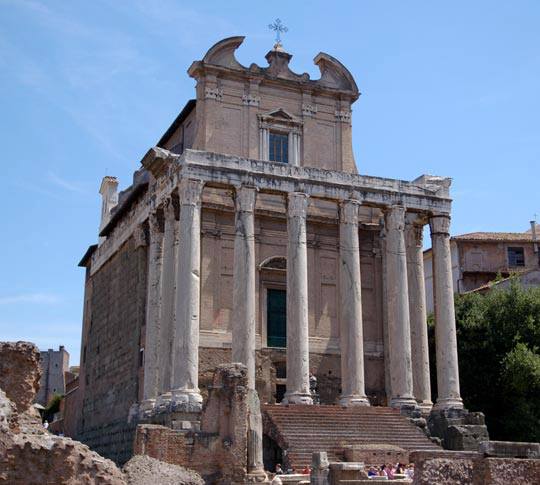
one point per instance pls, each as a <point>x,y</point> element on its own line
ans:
<point>278,27</point>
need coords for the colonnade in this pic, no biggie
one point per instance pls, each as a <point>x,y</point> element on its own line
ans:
<point>177,384</point>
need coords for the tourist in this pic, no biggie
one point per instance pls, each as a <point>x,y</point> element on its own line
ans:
<point>306,471</point>
<point>409,471</point>
<point>382,471</point>
<point>279,470</point>
<point>372,472</point>
<point>46,424</point>
<point>390,472</point>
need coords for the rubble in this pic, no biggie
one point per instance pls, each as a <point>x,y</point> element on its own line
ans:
<point>144,470</point>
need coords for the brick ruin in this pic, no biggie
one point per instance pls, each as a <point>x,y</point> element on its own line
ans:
<point>31,455</point>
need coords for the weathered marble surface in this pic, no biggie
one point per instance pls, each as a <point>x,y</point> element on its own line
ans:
<point>243,320</point>
<point>185,392</point>
<point>153,311</point>
<point>445,320</point>
<point>352,340</point>
<point>417,309</point>
<point>397,302</point>
<point>297,303</point>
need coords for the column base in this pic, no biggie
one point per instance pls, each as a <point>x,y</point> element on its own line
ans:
<point>297,398</point>
<point>257,475</point>
<point>354,400</point>
<point>186,400</point>
<point>163,402</point>
<point>146,408</point>
<point>448,402</point>
<point>399,402</point>
<point>425,406</point>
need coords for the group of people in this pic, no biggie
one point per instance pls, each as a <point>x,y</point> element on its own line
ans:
<point>391,471</point>
<point>291,471</point>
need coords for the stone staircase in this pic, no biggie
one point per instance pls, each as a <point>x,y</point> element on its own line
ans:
<point>301,430</point>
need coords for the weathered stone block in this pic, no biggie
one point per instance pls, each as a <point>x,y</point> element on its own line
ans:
<point>465,437</point>
<point>510,449</point>
<point>376,454</point>
<point>504,471</point>
<point>19,372</point>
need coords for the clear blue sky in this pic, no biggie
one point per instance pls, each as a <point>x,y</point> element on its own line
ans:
<point>448,88</point>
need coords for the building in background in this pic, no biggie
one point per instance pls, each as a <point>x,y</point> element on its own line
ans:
<point>54,365</point>
<point>478,258</point>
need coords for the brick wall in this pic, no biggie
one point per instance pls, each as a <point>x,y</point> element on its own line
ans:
<point>114,319</point>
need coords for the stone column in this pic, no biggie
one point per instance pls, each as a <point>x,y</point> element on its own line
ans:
<point>167,306</point>
<point>297,303</point>
<point>294,148</point>
<point>350,284</point>
<point>185,392</point>
<point>264,142</point>
<point>417,311</point>
<point>153,302</point>
<point>445,320</point>
<point>397,301</point>
<point>243,316</point>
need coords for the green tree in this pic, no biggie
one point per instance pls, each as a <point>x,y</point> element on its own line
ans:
<point>498,344</point>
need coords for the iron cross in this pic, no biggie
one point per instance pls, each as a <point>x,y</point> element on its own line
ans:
<point>278,28</point>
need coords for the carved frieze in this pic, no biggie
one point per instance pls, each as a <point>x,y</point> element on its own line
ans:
<point>251,100</point>
<point>213,93</point>
<point>343,115</point>
<point>309,109</point>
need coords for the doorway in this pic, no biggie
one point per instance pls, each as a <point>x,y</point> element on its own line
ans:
<point>276,318</point>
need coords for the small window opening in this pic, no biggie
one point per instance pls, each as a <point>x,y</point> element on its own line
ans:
<point>279,147</point>
<point>516,257</point>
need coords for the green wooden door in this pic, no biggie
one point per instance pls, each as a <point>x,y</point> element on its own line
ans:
<point>276,318</point>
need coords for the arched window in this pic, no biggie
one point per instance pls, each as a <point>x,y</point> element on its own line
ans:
<point>275,263</point>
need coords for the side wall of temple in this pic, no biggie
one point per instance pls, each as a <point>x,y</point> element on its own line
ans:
<point>110,359</point>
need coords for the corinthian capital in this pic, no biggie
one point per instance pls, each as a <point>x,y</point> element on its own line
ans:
<point>190,191</point>
<point>244,199</point>
<point>440,225</point>
<point>395,218</point>
<point>297,204</point>
<point>348,211</point>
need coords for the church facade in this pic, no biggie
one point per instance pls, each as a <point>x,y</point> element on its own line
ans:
<point>249,236</point>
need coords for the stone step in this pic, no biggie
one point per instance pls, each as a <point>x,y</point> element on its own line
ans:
<point>306,429</point>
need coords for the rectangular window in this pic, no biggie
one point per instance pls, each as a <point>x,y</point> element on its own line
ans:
<point>516,257</point>
<point>279,147</point>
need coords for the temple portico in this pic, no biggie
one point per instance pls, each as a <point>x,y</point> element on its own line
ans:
<point>249,236</point>
<point>404,294</point>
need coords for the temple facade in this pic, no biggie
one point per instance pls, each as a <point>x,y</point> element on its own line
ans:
<point>249,236</point>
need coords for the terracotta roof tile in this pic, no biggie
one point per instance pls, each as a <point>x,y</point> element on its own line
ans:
<point>494,236</point>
